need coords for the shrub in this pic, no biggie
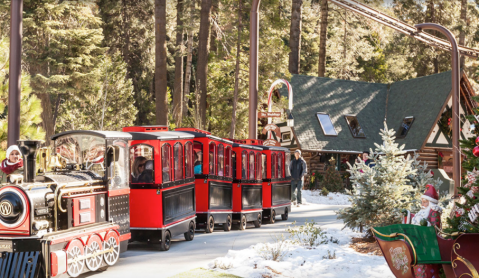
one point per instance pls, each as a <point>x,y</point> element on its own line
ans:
<point>324,191</point>
<point>332,180</point>
<point>274,251</point>
<point>307,234</point>
<point>330,256</point>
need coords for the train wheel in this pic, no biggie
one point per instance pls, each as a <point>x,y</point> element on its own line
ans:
<point>285,215</point>
<point>76,263</point>
<point>165,241</point>
<point>210,225</point>
<point>191,232</point>
<point>257,222</point>
<point>272,218</point>
<point>112,243</point>
<point>94,246</point>
<point>243,223</point>
<point>227,225</point>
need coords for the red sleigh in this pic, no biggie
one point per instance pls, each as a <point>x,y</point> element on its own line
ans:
<point>404,246</point>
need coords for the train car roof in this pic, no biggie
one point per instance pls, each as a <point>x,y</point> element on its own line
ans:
<point>203,135</point>
<point>99,133</point>
<point>162,135</point>
<point>273,148</point>
<point>251,147</point>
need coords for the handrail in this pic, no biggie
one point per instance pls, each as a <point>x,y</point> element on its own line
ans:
<point>469,265</point>
<point>447,234</point>
<point>396,235</point>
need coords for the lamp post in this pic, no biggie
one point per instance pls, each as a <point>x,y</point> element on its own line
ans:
<point>15,71</point>
<point>456,152</point>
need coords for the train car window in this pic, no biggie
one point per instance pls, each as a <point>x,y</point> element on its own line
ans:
<point>221,160</point>
<point>280,165</point>
<point>188,160</point>
<point>198,154</point>
<point>228,162</point>
<point>258,166</point>
<point>165,162</point>
<point>117,160</point>
<point>178,161</point>
<point>287,162</point>
<point>263,169</point>
<point>142,164</point>
<point>233,160</point>
<point>84,150</point>
<point>251,166</point>
<point>244,164</point>
<point>273,166</point>
<point>212,158</point>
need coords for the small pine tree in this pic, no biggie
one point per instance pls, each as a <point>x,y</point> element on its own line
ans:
<point>332,180</point>
<point>381,192</point>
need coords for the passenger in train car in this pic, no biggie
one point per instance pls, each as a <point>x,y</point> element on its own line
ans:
<point>139,174</point>
<point>198,163</point>
<point>12,164</point>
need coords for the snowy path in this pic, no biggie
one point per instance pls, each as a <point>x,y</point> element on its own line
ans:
<point>142,260</point>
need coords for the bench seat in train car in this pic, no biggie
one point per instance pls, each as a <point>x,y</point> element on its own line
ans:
<point>213,180</point>
<point>162,185</point>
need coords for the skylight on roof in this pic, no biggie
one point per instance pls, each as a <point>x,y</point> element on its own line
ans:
<point>405,127</point>
<point>326,124</point>
<point>354,127</point>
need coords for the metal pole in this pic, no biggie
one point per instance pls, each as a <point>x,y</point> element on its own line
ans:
<point>456,152</point>
<point>253,70</point>
<point>15,71</point>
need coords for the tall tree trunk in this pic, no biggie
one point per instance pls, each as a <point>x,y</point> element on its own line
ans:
<point>462,34</point>
<point>126,34</point>
<point>295,36</point>
<point>203,51</point>
<point>214,32</point>
<point>430,17</point>
<point>160,63</point>
<point>189,59</point>
<point>237,69</point>
<point>323,38</point>
<point>178,90</point>
<point>47,117</point>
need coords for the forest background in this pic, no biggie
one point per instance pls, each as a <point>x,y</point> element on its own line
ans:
<point>105,64</point>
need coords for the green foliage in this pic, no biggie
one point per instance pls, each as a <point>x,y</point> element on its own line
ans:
<point>332,180</point>
<point>324,191</point>
<point>30,106</point>
<point>381,192</point>
<point>307,234</point>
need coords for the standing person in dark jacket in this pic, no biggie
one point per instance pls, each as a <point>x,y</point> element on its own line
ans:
<point>298,169</point>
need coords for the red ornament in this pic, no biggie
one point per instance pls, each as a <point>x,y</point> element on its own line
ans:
<point>475,151</point>
<point>477,141</point>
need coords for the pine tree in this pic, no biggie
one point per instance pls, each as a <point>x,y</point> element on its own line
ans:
<point>382,191</point>
<point>30,105</point>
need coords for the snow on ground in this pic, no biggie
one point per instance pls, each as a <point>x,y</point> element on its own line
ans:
<point>301,261</point>
<point>333,198</point>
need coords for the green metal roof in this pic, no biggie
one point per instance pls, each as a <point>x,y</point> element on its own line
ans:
<point>421,97</point>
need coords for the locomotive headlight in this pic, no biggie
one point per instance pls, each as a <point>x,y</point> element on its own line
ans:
<point>13,207</point>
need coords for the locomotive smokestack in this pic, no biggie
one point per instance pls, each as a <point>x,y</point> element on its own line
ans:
<point>29,151</point>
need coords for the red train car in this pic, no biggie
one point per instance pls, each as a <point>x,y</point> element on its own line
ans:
<point>213,180</point>
<point>162,185</point>
<point>247,185</point>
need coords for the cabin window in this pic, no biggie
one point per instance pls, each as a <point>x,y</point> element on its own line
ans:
<point>251,166</point>
<point>405,127</point>
<point>228,162</point>
<point>198,154</point>
<point>326,124</point>
<point>221,160</point>
<point>287,162</point>
<point>178,161</point>
<point>354,127</point>
<point>273,165</point>
<point>258,166</point>
<point>142,164</point>
<point>188,160</point>
<point>244,164</point>
<point>280,165</point>
<point>263,169</point>
<point>165,162</point>
<point>212,158</point>
<point>286,136</point>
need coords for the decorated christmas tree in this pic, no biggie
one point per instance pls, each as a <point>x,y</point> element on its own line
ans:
<point>464,217</point>
<point>380,192</point>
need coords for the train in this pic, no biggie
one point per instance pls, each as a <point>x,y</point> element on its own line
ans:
<point>77,206</point>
